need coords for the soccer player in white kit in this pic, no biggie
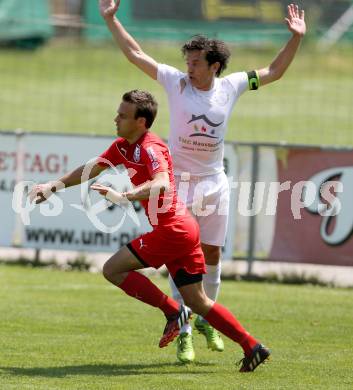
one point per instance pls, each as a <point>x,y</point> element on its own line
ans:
<point>200,104</point>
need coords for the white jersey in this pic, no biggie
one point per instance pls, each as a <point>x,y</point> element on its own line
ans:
<point>198,119</point>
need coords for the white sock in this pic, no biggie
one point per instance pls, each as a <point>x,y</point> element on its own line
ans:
<point>212,280</point>
<point>186,328</point>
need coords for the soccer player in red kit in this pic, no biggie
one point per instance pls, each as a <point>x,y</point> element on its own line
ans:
<point>174,239</point>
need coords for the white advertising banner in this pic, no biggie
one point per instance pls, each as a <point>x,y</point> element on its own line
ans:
<point>8,162</point>
<point>71,219</point>
<point>76,218</point>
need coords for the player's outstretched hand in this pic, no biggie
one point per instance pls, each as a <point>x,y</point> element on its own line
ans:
<point>103,190</point>
<point>108,8</point>
<point>40,192</point>
<point>110,194</point>
<point>295,20</point>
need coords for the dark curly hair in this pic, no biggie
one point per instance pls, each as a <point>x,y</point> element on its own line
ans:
<point>215,50</point>
<point>146,105</point>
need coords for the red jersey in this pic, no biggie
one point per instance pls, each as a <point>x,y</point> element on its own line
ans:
<point>175,239</point>
<point>143,159</point>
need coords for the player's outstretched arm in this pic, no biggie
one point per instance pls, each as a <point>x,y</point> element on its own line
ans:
<point>41,192</point>
<point>125,41</point>
<point>296,25</point>
<point>159,184</point>
<point>153,188</point>
<point>110,194</point>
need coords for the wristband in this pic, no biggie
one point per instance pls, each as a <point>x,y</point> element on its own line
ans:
<point>115,197</point>
<point>254,81</point>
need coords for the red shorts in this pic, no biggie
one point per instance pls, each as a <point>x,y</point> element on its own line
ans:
<point>175,244</point>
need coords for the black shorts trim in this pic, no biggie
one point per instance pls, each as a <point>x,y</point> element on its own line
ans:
<point>183,278</point>
<point>132,250</point>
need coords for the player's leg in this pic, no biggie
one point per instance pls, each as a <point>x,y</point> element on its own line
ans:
<point>225,322</point>
<point>213,230</point>
<point>212,279</point>
<point>187,267</point>
<point>119,270</point>
<point>185,350</point>
<point>211,284</point>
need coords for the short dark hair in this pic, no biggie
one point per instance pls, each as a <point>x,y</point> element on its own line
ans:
<point>146,105</point>
<point>215,50</point>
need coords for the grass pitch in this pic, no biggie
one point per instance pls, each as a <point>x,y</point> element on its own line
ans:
<point>75,87</point>
<point>72,330</point>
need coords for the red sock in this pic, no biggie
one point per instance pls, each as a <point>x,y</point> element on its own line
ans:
<point>141,288</point>
<point>224,321</point>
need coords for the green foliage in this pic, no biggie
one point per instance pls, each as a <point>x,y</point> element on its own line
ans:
<point>27,262</point>
<point>72,330</point>
<point>297,278</point>
<point>80,263</point>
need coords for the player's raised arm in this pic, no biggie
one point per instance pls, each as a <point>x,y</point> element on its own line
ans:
<point>296,25</point>
<point>126,42</point>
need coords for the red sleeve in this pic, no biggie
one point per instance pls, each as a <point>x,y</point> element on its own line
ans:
<point>156,158</point>
<point>112,154</point>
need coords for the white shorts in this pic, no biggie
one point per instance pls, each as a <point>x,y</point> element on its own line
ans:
<point>207,198</point>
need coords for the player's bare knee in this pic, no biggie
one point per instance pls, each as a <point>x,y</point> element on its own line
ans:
<point>113,276</point>
<point>108,272</point>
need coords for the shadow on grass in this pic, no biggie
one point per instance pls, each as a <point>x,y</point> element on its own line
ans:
<point>108,369</point>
